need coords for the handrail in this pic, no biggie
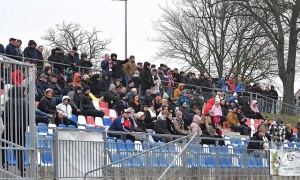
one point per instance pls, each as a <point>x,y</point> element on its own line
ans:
<point>178,156</point>
<point>135,155</point>
<point>50,62</point>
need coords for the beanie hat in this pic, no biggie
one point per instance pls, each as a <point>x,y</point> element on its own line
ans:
<point>157,94</point>
<point>111,87</point>
<point>85,77</point>
<point>163,112</point>
<point>178,113</point>
<point>85,88</point>
<point>148,91</point>
<point>139,114</point>
<point>278,120</point>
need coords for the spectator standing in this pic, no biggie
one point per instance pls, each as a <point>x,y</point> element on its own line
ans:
<point>176,76</point>
<point>40,56</point>
<point>216,108</point>
<point>77,59</point>
<point>117,67</point>
<point>231,85</point>
<point>146,78</point>
<point>106,65</point>
<point>70,60</point>
<point>273,95</point>
<point>136,80</point>
<point>31,52</point>
<point>129,69</point>
<point>277,133</point>
<point>156,81</point>
<point>11,49</point>
<point>58,59</point>
<point>84,62</point>
<point>2,49</point>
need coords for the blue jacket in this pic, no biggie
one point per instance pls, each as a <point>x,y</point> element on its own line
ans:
<point>11,50</point>
<point>239,88</point>
<point>2,49</point>
<point>105,67</point>
<point>223,85</point>
<point>181,99</point>
<point>117,125</point>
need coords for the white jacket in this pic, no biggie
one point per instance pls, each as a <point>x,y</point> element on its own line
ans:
<point>66,110</point>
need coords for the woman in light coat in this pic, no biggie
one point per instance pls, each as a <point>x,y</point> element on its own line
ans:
<point>156,80</point>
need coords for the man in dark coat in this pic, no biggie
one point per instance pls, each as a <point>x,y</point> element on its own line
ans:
<point>11,49</point>
<point>85,63</point>
<point>58,57</point>
<point>70,60</point>
<point>31,52</point>
<point>87,104</point>
<point>146,78</point>
<point>75,101</point>
<point>40,56</point>
<point>117,67</point>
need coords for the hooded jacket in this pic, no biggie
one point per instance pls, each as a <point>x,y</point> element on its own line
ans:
<point>177,91</point>
<point>195,125</point>
<point>182,99</point>
<point>47,105</point>
<point>146,77</point>
<point>208,105</point>
<point>104,84</point>
<point>30,52</point>
<point>254,106</point>
<point>231,85</point>
<point>65,109</point>
<point>75,99</point>
<point>223,85</point>
<point>77,80</point>
<point>232,119</point>
<point>239,87</point>
<point>217,110</point>
<point>111,97</point>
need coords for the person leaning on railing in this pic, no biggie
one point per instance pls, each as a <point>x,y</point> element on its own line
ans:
<point>258,144</point>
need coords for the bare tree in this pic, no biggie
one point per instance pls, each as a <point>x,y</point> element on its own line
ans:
<point>280,21</point>
<point>69,35</point>
<point>213,39</point>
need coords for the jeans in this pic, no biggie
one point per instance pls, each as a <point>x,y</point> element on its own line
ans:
<point>127,79</point>
<point>40,113</point>
<point>235,128</point>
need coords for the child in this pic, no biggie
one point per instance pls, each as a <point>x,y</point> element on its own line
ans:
<point>66,110</point>
<point>216,108</point>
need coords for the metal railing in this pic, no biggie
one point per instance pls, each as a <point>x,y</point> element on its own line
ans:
<point>18,117</point>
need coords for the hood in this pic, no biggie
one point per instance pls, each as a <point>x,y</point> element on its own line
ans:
<point>239,85</point>
<point>65,97</point>
<point>52,51</point>
<point>95,77</point>
<point>103,76</point>
<point>253,102</point>
<point>197,119</point>
<point>211,101</point>
<point>83,55</point>
<point>111,87</point>
<point>77,77</point>
<point>180,85</point>
<point>222,80</point>
<point>46,69</point>
<point>146,64</point>
<point>16,92</point>
<point>49,89</point>
<point>31,42</point>
<point>153,69</point>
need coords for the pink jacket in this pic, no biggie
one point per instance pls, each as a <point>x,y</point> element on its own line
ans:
<point>217,110</point>
<point>254,106</point>
<point>194,127</point>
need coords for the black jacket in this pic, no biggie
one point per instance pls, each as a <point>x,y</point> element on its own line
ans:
<point>160,127</point>
<point>118,69</point>
<point>47,105</point>
<point>41,58</point>
<point>86,65</point>
<point>86,101</point>
<point>141,127</point>
<point>120,106</point>
<point>255,145</point>
<point>75,100</point>
<point>137,81</point>
<point>67,88</point>
<point>58,58</point>
<point>111,98</point>
<point>104,84</point>
<point>170,126</point>
<point>69,60</point>
<point>146,78</point>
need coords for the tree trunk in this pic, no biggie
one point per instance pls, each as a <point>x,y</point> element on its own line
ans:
<point>288,96</point>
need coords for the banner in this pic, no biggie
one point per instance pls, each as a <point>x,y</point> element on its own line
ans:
<point>284,163</point>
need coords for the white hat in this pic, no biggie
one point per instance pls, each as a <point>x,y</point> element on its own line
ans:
<point>128,110</point>
<point>139,114</point>
<point>234,94</point>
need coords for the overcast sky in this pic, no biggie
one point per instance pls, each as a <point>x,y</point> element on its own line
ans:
<point>29,19</point>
